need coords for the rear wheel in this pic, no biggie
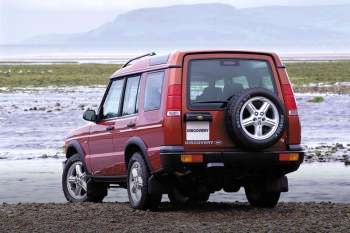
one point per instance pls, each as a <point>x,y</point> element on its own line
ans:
<point>257,197</point>
<point>76,186</point>
<point>138,175</point>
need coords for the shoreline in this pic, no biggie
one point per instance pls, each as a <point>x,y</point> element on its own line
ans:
<point>112,58</point>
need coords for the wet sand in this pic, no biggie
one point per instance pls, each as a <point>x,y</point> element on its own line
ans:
<point>40,181</point>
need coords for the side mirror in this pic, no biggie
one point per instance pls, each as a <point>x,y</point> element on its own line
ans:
<point>90,115</point>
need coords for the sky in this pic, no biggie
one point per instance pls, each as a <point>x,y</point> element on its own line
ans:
<point>22,19</point>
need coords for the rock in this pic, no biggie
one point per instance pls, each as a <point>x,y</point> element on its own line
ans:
<point>44,156</point>
<point>339,146</point>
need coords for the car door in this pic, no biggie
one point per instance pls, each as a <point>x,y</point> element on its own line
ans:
<point>126,124</point>
<point>102,156</point>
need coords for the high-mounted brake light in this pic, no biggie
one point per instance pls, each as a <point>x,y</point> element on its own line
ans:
<point>289,100</point>
<point>174,101</point>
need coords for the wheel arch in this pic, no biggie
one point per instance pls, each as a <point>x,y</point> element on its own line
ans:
<point>136,144</point>
<point>73,147</point>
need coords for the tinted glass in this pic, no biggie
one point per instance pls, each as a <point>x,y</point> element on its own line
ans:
<point>214,81</point>
<point>130,97</point>
<point>112,101</point>
<point>153,91</point>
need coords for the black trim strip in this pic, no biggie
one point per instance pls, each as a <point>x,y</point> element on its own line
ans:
<point>171,149</point>
<point>109,179</point>
<point>296,148</point>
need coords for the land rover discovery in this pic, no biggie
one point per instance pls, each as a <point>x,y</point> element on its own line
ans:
<point>188,124</point>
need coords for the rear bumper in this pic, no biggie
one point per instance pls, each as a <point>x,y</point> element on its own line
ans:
<point>236,163</point>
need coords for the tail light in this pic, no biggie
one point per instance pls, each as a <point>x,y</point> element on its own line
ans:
<point>289,100</point>
<point>192,158</point>
<point>174,102</point>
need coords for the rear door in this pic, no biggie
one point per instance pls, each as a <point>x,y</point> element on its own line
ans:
<point>128,121</point>
<point>209,81</point>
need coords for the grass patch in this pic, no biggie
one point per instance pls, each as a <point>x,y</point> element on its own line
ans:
<point>316,99</point>
<point>55,75</point>
<point>13,76</point>
<point>302,73</point>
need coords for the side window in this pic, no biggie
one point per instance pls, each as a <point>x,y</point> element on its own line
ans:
<point>112,102</point>
<point>153,91</point>
<point>131,94</point>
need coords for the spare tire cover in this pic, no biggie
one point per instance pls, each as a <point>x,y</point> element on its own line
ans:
<point>255,118</point>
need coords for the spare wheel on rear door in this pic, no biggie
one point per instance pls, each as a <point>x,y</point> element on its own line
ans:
<point>255,118</point>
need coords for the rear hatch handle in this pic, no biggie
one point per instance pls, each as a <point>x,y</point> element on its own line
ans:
<point>198,116</point>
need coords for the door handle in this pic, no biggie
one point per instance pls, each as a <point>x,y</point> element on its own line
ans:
<point>110,128</point>
<point>131,124</point>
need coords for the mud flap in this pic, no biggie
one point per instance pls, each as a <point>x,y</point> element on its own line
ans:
<point>277,185</point>
<point>156,187</point>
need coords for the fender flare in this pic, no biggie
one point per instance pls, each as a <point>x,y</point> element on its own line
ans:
<point>74,144</point>
<point>140,144</point>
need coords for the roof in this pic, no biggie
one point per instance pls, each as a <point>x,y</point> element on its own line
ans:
<point>175,59</point>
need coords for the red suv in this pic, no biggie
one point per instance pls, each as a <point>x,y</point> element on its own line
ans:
<point>188,124</point>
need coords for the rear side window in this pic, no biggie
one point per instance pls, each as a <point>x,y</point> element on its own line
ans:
<point>112,102</point>
<point>153,91</point>
<point>213,82</point>
<point>130,96</point>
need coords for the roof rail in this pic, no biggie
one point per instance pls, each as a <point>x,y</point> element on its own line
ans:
<point>136,58</point>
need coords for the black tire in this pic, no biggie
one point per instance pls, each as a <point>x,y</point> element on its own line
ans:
<point>233,122</point>
<point>95,191</point>
<point>262,199</point>
<point>146,201</point>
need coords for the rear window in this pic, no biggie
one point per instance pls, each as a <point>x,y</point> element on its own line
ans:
<point>213,82</point>
<point>153,91</point>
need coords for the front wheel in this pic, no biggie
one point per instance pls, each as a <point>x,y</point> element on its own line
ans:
<point>138,175</point>
<point>76,186</point>
<point>257,197</point>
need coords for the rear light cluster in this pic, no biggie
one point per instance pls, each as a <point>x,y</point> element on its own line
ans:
<point>174,102</point>
<point>289,100</point>
<point>197,158</point>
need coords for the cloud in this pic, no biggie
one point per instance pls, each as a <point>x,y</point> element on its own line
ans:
<point>103,5</point>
